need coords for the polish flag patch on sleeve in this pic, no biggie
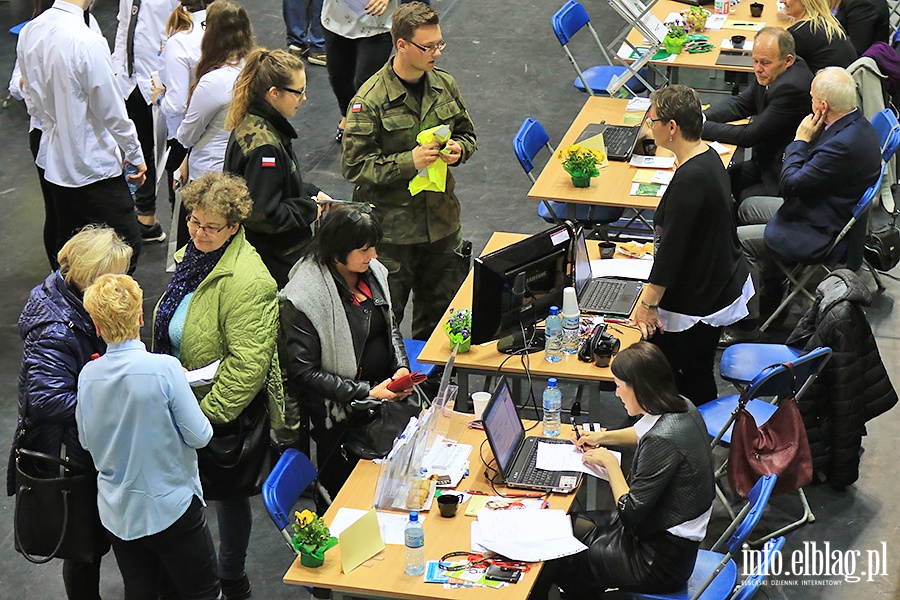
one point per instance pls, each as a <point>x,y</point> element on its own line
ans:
<point>356,108</point>
<point>268,161</point>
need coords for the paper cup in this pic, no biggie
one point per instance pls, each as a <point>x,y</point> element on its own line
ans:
<point>480,401</point>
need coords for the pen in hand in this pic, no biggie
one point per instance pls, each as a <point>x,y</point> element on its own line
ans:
<point>577,434</point>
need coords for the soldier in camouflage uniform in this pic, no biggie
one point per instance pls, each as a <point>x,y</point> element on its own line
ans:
<point>422,245</point>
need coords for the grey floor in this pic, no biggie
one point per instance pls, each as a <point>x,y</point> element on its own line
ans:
<point>508,65</point>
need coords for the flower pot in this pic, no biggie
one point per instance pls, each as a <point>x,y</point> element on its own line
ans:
<point>464,342</point>
<point>312,558</point>
<point>674,44</point>
<point>580,180</point>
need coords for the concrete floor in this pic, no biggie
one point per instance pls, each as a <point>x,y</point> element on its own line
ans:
<point>507,71</point>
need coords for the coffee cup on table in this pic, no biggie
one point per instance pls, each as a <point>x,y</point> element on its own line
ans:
<point>737,41</point>
<point>756,9</point>
<point>448,504</point>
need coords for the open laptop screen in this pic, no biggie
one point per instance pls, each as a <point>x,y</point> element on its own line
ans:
<point>503,427</point>
<point>581,263</point>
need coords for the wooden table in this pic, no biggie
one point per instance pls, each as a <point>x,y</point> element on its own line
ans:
<point>613,186</point>
<point>383,576</point>
<point>707,60</point>
<point>486,360</point>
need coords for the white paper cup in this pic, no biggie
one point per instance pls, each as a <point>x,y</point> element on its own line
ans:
<point>480,401</point>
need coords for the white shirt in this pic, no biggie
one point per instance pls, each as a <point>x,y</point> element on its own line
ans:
<point>149,40</point>
<point>177,69</point>
<point>16,91</point>
<point>69,86</point>
<point>348,18</point>
<point>203,128</point>
<point>731,314</point>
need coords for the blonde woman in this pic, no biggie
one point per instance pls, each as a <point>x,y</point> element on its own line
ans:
<point>820,39</point>
<point>267,93</point>
<point>59,339</point>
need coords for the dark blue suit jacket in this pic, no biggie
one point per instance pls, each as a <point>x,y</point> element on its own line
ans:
<point>821,182</point>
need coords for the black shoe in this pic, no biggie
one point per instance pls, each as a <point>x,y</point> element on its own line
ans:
<point>339,135</point>
<point>735,335</point>
<point>152,233</point>
<point>235,589</point>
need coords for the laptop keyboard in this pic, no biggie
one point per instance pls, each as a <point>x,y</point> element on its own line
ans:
<point>602,294</point>
<point>531,475</point>
<point>618,140</point>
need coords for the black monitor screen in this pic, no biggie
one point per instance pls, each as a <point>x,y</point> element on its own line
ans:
<point>515,287</point>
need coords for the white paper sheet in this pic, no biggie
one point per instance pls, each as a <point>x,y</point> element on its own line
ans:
<point>476,542</point>
<point>203,375</point>
<point>715,22</point>
<point>623,268</point>
<point>652,162</point>
<point>528,535</point>
<point>718,147</point>
<point>563,457</point>
<point>638,104</point>
<point>392,525</point>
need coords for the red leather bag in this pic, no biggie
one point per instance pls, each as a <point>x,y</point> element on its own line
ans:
<point>778,446</point>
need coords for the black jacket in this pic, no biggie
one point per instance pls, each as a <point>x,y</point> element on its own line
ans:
<point>854,386</point>
<point>813,46</point>
<point>776,110</point>
<point>865,21</point>
<point>303,363</point>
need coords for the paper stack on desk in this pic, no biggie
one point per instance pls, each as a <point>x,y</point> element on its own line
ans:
<point>565,457</point>
<point>528,535</point>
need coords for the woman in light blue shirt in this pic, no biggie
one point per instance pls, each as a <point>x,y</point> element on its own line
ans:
<point>140,421</point>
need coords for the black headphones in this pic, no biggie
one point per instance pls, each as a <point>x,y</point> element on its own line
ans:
<point>600,347</point>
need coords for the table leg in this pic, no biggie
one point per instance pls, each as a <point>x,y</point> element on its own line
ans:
<point>462,396</point>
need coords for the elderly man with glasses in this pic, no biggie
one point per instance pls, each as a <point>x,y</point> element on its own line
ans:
<point>422,246</point>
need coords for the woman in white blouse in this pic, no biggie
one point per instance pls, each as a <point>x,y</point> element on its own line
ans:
<point>228,39</point>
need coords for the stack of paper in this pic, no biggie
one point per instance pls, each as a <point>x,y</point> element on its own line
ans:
<point>622,268</point>
<point>528,535</point>
<point>565,457</point>
<point>652,162</point>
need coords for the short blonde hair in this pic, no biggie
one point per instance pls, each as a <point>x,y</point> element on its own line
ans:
<point>95,250</point>
<point>837,87</point>
<point>115,303</point>
<point>221,194</point>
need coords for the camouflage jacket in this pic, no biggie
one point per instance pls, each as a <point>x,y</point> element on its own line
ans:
<point>380,134</point>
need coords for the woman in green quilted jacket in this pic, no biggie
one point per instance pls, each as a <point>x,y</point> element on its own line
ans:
<point>220,305</point>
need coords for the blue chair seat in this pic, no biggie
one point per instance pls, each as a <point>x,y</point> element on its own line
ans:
<point>413,349</point>
<point>583,212</point>
<point>717,412</point>
<point>742,362</point>
<point>599,77</point>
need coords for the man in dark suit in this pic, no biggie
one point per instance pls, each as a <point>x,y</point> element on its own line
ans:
<point>777,101</point>
<point>834,158</point>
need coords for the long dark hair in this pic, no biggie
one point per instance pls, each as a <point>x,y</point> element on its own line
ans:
<point>346,227</point>
<point>645,368</point>
<point>227,40</point>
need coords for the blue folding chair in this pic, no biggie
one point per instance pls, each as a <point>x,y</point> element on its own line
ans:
<point>742,362</point>
<point>767,556</point>
<point>888,129</point>
<point>568,21</point>
<point>777,381</point>
<point>715,574</point>
<point>527,144</point>
<point>413,349</point>
<point>293,473</point>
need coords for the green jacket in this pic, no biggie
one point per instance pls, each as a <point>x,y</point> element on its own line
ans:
<point>382,124</point>
<point>233,317</point>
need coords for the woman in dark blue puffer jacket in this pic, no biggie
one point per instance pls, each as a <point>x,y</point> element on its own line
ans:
<point>59,339</point>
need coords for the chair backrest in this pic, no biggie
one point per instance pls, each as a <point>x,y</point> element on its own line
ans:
<point>568,20</point>
<point>750,586</point>
<point>291,476</point>
<point>868,196</point>
<point>888,129</point>
<point>777,380</point>
<point>752,513</point>
<point>529,140</point>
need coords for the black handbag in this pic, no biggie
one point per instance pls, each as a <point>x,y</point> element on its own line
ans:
<point>239,456</point>
<point>882,249</point>
<point>56,512</point>
<point>375,425</point>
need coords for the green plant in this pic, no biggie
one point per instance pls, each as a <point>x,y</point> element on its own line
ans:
<point>677,28</point>
<point>578,160</point>
<point>459,323</point>
<point>310,531</point>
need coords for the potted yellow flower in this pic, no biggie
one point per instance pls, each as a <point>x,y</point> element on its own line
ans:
<point>581,163</point>
<point>311,538</point>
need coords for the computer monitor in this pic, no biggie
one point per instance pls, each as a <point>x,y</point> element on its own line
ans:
<point>515,287</point>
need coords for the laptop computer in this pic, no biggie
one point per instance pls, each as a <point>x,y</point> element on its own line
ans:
<point>516,454</point>
<point>619,140</point>
<point>601,295</point>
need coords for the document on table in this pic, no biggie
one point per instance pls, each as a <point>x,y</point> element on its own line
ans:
<point>652,162</point>
<point>203,375</point>
<point>563,457</point>
<point>392,526</point>
<point>528,535</point>
<point>648,189</point>
<point>624,268</point>
<point>718,147</point>
<point>658,176</point>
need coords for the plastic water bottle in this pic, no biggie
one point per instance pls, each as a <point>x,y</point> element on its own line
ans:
<point>570,318</point>
<point>130,169</point>
<point>553,336</point>
<point>552,407</point>
<point>415,546</point>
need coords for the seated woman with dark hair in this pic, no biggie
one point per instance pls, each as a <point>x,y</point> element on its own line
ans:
<point>340,340</point>
<point>649,542</point>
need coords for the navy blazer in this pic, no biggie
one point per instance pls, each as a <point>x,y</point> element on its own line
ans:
<point>776,110</point>
<point>821,182</point>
